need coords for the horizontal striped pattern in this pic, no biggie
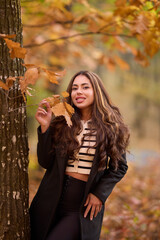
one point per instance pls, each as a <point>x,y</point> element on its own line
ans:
<point>85,156</point>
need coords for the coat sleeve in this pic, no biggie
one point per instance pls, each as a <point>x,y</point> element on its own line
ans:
<point>44,147</point>
<point>109,179</point>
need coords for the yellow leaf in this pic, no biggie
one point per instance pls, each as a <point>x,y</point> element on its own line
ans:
<point>3,85</point>
<point>65,94</point>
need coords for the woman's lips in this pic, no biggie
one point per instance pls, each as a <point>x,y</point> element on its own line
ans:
<point>79,100</point>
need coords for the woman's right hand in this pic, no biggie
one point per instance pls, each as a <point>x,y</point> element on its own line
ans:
<point>44,116</point>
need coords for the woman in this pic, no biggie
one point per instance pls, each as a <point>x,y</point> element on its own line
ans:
<point>83,163</point>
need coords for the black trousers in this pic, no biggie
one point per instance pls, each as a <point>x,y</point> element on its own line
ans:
<point>67,226</point>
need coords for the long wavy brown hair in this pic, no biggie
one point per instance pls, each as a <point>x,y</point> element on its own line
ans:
<point>112,134</point>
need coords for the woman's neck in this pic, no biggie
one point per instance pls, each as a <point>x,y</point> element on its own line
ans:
<point>85,115</point>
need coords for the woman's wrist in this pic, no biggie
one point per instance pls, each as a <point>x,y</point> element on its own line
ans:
<point>44,128</point>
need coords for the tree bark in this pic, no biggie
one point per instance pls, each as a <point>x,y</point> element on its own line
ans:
<point>14,217</point>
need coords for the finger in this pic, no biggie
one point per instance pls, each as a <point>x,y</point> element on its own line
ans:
<point>87,201</point>
<point>100,208</point>
<point>87,210</point>
<point>42,102</point>
<point>92,212</point>
<point>96,211</point>
<point>41,111</point>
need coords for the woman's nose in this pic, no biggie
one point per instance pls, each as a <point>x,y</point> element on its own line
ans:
<point>79,91</point>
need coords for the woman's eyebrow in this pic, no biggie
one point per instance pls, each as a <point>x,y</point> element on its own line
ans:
<point>81,84</point>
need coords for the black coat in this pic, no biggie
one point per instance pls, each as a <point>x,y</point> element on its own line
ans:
<point>44,204</point>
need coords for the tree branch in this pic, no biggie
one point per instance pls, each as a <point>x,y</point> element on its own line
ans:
<point>47,24</point>
<point>75,35</point>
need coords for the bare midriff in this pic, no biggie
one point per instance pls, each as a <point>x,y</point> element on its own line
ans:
<point>80,176</point>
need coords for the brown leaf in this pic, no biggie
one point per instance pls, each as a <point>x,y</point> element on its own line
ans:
<point>65,94</point>
<point>11,44</point>
<point>9,81</point>
<point>60,110</point>
<point>53,100</point>
<point>31,76</point>
<point>18,53</point>
<point>3,85</point>
<point>23,85</point>
<point>15,50</point>
<point>51,76</point>
<point>69,108</point>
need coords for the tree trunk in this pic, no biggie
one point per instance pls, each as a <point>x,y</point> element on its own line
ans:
<point>14,217</point>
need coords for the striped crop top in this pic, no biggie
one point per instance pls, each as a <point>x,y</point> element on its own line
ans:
<point>85,156</point>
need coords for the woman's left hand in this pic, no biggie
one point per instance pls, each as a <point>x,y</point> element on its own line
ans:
<point>94,204</point>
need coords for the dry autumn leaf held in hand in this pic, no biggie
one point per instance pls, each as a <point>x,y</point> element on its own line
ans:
<point>61,108</point>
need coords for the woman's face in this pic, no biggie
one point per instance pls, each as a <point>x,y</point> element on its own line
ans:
<point>82,93</point>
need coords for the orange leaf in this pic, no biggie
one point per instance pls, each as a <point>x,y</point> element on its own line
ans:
<point>3,85</point>
<point>31,76</point>
<point>11,44</point>
<point>15,50</point>
<point>123,65</point>
<point>18,53</point>
<point>65,94</point>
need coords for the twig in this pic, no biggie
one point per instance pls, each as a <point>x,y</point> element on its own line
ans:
<point>76,35</point>
<point>31,105</point>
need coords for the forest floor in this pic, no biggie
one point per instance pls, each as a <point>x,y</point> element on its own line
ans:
<point>132,212</point>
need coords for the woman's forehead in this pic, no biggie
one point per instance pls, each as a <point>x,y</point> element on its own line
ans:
<point>81,79</point>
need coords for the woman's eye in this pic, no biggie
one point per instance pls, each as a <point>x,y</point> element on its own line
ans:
<point>86,87</point>
<point>73,89</point>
